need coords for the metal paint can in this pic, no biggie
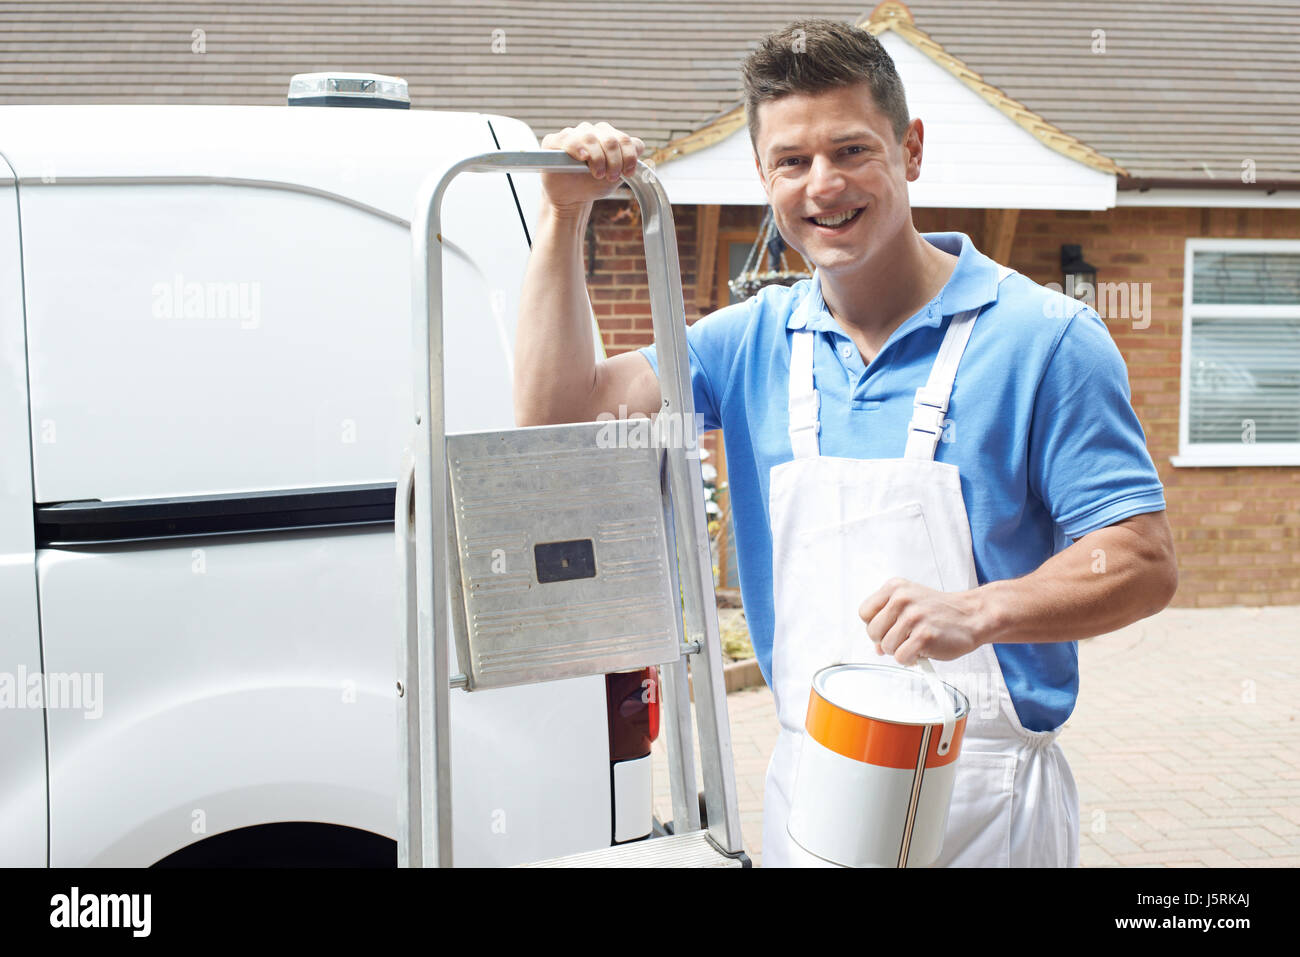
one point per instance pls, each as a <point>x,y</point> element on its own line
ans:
<point>876,768</point>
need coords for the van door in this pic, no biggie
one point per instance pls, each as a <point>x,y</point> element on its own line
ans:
<point>23,825</point>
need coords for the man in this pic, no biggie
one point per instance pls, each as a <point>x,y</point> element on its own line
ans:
<point>893,462</point>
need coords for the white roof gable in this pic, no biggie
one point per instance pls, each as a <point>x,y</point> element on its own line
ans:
<point>975,155</point>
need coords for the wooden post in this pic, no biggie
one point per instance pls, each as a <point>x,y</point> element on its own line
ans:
<point>706,251</point>
<point>999,233</point>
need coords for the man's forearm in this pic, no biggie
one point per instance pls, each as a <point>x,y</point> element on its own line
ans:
<point>555,364</point>
<point>1108,579</point>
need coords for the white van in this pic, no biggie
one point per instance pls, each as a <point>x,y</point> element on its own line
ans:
<point>205,335</point>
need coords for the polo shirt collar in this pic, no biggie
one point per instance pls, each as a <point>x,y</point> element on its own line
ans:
<point>973,284</point>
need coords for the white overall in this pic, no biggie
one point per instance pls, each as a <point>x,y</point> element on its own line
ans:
<point>840,529</point>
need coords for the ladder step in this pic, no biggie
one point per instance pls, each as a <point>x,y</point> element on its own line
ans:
<point>678,850</point>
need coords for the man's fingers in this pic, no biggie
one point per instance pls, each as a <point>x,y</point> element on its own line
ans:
<point>572,140</point>
<point>579,142</point>
<point>870,608</point>
<point>898,633</point>
<point>875,609</point>
<point>621,151</point>
<point>607,138</point>
<point>632,150</point>
<point>908,651</point>
<point>586,147</point>
<point>608,152</point>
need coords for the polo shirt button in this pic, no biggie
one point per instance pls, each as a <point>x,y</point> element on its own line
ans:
<point>846,350</point>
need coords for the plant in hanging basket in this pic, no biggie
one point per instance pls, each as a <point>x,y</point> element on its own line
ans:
<point>767,243</point>
<point>745,286</point>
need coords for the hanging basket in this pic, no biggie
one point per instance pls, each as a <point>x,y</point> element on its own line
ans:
<point>745,286</point>
<point>750,279</point>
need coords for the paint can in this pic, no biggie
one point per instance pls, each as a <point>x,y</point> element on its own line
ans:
<point>876,767</point>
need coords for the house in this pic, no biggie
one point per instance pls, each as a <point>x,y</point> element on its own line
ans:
<point>1155,146</point>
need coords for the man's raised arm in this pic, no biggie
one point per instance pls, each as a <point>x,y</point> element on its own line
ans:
<point>557,376</point>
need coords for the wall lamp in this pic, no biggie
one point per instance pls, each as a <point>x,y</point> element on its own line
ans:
<point>1079,277</point>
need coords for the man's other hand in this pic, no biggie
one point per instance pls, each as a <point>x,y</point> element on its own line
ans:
<point>910,621</point>
<point>609,153</point>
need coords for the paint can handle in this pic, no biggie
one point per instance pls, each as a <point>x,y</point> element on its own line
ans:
<point>940,695</point>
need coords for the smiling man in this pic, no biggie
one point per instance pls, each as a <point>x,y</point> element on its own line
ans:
<point>930,456</point>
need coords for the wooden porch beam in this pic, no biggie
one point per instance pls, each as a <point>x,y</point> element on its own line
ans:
<point>706,252</point>
<point>999,233</point>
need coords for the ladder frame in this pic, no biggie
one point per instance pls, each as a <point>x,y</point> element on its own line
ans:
<point>422,529</point>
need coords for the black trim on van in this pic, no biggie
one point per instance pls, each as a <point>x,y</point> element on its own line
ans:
<point>518,208</point>
<point>94,522</point>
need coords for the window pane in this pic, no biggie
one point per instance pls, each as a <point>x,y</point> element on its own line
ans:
<point>1245,379</point>
<point>1246,278</point>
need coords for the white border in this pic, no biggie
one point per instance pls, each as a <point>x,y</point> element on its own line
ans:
<point>1225,454</point>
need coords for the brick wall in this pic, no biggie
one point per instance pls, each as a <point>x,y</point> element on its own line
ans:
<point>1237,530</point>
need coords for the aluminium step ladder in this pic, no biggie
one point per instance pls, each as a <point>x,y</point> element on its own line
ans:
<point>558,551</point>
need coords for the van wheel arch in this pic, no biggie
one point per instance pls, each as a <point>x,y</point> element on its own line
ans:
<point>288,844</point>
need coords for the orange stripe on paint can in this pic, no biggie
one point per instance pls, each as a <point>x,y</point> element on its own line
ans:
<point>872,741</point>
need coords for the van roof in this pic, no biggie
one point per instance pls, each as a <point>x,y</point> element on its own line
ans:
<point>375,157</point>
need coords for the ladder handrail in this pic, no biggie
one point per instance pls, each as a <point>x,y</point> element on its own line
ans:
<point>426,719</point>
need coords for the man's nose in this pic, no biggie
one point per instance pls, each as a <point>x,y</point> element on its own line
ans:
<point>824,179</point>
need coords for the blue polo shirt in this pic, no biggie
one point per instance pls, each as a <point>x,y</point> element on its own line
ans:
<point>1043,432</point>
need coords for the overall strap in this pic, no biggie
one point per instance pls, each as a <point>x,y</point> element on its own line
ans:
<point>805,402</point>
<point>931,402</point>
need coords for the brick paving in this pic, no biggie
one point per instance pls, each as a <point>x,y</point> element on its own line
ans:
<point>1185,743</point>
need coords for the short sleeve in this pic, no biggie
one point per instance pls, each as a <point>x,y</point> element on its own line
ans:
<point>711,345</point>
<point>1088,459</point>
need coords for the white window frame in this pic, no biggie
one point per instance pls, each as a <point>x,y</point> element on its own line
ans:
<point>1226,454</point>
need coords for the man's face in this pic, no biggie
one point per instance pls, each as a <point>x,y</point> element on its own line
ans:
<point>835,174</point>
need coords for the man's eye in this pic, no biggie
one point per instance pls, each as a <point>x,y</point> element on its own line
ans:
<point>788,161</point>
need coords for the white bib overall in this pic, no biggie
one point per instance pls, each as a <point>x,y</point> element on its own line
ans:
<point>840,529</point>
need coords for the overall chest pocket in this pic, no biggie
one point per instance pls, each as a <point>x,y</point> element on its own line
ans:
<point>830,571</point>
<point>852,560</point>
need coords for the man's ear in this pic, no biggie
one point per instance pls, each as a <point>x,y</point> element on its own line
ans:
<point>913,143</point>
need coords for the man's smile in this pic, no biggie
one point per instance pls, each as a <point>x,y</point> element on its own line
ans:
<point>834,222</point>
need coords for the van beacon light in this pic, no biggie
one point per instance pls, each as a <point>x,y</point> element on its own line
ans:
<point>349,89</point>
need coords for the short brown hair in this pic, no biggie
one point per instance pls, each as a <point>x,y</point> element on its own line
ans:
<point>809,56</point>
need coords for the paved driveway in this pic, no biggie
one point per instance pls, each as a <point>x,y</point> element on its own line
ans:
<point>1185,743</point>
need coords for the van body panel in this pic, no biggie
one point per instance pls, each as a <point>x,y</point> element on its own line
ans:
<point>22,720</point>
<point>249,679</point>
<point>222,337</point>
<point>376,157</point>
